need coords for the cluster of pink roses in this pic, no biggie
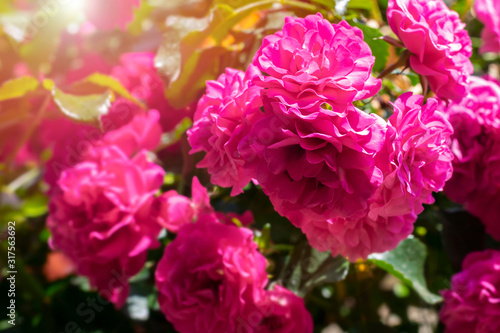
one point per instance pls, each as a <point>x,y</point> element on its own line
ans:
<point>212,276</point>
<point>351,181</point>
<point>472,304</point>
<point>211,279</point>
<point>70,140</point>
<point>105,216</point>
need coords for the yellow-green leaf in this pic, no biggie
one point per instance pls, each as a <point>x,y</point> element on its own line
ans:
<point>86,108</point>
<point>109,82</point>
<point>17,88</point>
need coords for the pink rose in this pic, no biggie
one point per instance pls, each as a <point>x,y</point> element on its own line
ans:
<point>414,162</point>
<point>440,46</point>
<point>110,14</point>
<point>284,312</point>
<point>210,277</point>
<point>476,121</point>
<point>420,159</point>
<point>101,217</point>
<point>177,210</point>
<point>312,61</point>
<point>488,12</point>
<point>221,122</point>
<point>319,164</point>
<point>476,146</point>
<point>472,305</point>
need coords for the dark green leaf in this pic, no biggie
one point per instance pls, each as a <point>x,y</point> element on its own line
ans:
<point>380,48</point>
<point>310,267</point>
<point>406,262</point>
<point>264,240</point>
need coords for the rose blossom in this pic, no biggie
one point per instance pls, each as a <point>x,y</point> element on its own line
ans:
<point>488,12</point>
<point>440,46</point>
<point>318,164</point>
<point>313,61</point>
<point>476,121</point>
<point>101,217</point>
<point>220,122</point>
<point>284,312</point>
<point>210,277</point>
<point>472,304</point>
<point>177,210</point>
<point>476,145</point>
<point>415,162</point>
<point>420,158</point>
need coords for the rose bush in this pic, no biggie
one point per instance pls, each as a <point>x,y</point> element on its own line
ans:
<point>319,210</point>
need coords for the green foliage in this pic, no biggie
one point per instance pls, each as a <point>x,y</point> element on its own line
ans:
<point>406,262</point>
<point>17,88</point>
<point>106,81</point>
<point>380,48</point>
<point>83,108</point>
<point>309,268</point>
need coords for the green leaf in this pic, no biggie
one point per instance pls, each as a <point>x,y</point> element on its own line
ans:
<point>360,4</point>
<point>35,206</point>
<point>109,82</point>
<point>326,3</point>
<point>309,268</point>
<point>169,59</point>
<point>264,240</point>
<point>17,88</point>
<point>380,48</point>
<point>331,270</point>
<point>406,262</point>
<point>83,108</point>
